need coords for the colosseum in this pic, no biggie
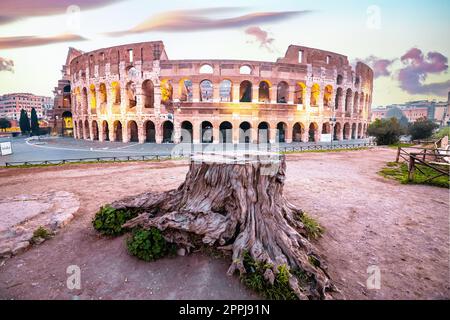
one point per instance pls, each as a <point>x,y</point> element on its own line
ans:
<point>136,93</point>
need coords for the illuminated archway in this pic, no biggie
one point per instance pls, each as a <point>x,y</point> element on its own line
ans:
<point>245,91</point>
<point>315,92</point>
<point>103,98</point>
<point>300,93</point>
<point>186,90</point>
<point>93,98</point>
<point>327,96</point>
<point>166,91</point>
<point>264,92</point>
<point>131,95</point>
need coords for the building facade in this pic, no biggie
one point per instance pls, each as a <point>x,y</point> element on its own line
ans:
<point>12,103</point>
<point>136,93</point>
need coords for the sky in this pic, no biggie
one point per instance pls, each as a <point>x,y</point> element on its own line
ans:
<point>406,42</point>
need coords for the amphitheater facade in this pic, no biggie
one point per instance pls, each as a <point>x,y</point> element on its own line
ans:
<point>136,93</point>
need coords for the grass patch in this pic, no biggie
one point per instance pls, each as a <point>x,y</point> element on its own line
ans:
<point>109,221</point>
<point>149,245</point>
<point>313,228</point>
<point>40,233</point>
<point>399,172</point>
<point>324,150</point>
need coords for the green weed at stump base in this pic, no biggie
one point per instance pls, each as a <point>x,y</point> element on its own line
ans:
<point>149,245</point>
<point>109,221</point>
<point>313,229</point>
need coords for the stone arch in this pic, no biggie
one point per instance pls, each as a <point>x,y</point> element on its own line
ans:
<point>297,132</point>
<point>264,92</point>
<point>354,133</point>
<point>300,93</point>
<point>186,132</point>
<point>327,96</point>
<point>339,79</point>
<point>315,93</point>
<point>84,96</point>
<point>338,99</point>
<point>347,131</point>
<point>348,100</point>
<point>226,90</point>
<point>206,91</point>
<point>326,128</point>
<point>206,69</point>
<point>337,131</point>
<point>206,132</point>
<point>117,125</point>
<point>167,129</point>
<point>93,98</point>
<point>166,91</point>
<point>313,133</point>
<point>116,98</point>
<point>355,102</point>
<point>282,92</point>
<point>264,132</point>
<point>245,132</point>
<point>186,90</point>
<point>245,91</point>
<point>87,130</point>
<point>226,132</point>
<point>105,130</point>
<point>148,93</point>
<point>94,126</point>
<point>133,132</point>
<point>130,90</point>
<point>103,98</point>
<point>281,132</point>
<point>150,132</point>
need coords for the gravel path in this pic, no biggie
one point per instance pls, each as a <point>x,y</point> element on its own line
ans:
<point>369,221</point>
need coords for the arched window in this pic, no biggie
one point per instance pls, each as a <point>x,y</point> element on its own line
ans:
<point>327,96</point>
<point>300,91</point>
<point>166,91</point>
<point>148,93</point>
<point>264,92</point>
<point>131,94</point>
<point>206,69</point>
<point>186,91</point>
<point>225,91</point>
<point>85,100</point>
<point>103,98</point>
<point>297,132</point>
<point>245,70</point>
<point>245,91</point>
<point>93,98</point>
<point>207,132</point>
<point>348,100</point>
<point>315,92</point>
<point>282,92</point>
<point>339,80</point>
<point>206,91</point>
<point>115,86</point>
<point>338,101</point>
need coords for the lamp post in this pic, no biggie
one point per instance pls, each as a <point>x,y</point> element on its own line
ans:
<point>332,123</point>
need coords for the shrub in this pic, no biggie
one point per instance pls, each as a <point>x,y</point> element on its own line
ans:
<point>149,245</point>
<point>442,133</point>
<point>421,129</point>
<point>280,290</point>
<point>386,131</point>
<point>109,221</point>
<point>313,228</point>
<point>42,233</point>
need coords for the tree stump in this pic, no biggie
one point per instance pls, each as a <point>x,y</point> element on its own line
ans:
<point>234,201</point>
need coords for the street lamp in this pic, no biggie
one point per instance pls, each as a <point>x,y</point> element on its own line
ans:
<point>332,123</point>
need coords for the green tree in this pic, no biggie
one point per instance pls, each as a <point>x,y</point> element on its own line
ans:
<point>5,123</point>
<point>422,129</point>
<point>24,122</point>
<point>442,133</point>
<point>34,123</point>
<point>386,131</point>
<point>396,112</point>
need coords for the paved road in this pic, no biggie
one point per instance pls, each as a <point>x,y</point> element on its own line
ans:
<point>69,148</point>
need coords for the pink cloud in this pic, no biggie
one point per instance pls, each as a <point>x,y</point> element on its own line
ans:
<point>261,36</point>
<point>6,65</point>
<point>31,41</point>
<point>379,66</point>
<point>417,67</point>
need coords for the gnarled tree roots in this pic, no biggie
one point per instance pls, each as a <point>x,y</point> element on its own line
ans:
<point>235,201</point>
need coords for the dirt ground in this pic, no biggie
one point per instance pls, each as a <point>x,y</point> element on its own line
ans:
<point>369,220</point>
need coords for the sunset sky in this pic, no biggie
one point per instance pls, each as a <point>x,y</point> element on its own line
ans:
<point>406,42</point>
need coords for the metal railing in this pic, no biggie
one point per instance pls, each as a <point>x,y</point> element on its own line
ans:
<point>181,154</point>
